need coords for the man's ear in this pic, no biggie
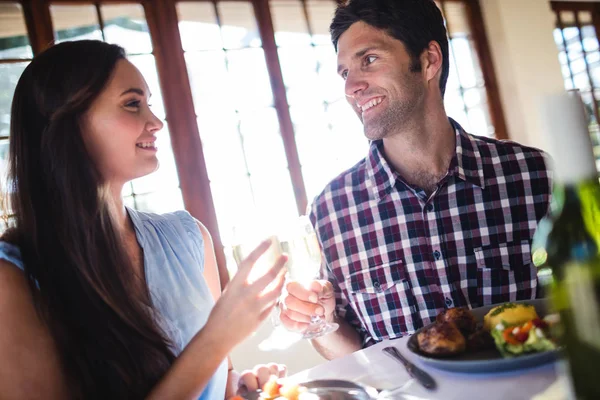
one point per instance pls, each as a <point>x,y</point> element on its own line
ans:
<point>431,62</point>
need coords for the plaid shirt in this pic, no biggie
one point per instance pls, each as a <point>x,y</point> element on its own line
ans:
<point>397,257</point>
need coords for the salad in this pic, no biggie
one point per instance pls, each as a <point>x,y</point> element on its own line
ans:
<point>517,329</point>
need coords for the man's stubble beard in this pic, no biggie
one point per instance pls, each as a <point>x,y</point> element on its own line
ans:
<point>398,113</point>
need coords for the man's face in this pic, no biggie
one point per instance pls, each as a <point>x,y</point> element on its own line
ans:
<point>380,85</point>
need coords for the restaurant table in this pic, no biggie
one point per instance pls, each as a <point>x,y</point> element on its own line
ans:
<point>373,367</point>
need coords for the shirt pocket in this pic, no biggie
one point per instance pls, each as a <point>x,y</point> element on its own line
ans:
<point>383,300</point>
<point>508,256</point>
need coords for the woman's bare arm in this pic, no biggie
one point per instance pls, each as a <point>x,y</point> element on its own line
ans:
<point>30,364</point>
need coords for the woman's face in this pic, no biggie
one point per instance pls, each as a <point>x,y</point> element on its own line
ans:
<point>119,130</point>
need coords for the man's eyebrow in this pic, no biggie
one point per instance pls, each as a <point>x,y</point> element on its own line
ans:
<point>358,54</point>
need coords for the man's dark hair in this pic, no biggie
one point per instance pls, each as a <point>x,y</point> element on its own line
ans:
<point>414,22</point>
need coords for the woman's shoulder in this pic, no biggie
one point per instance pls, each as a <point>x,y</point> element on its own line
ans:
<point>10,254</point>
<point>178,217</point>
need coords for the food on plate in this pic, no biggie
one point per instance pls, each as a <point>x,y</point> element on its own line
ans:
<point>442,339</point>
<point>273,389</point>
<point>462,317</point>
<point>480,340</point>
<point>512,328</point>
<point>511,314</point>
<point>529,337</point>
<point>270,389</point>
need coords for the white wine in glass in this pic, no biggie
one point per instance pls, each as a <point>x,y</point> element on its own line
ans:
<point>303,267</point>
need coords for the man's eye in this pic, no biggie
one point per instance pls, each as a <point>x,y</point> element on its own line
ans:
<point>344,75</point>
<point>370,59</point>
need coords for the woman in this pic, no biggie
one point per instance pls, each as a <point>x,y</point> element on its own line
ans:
<point>97,300</point>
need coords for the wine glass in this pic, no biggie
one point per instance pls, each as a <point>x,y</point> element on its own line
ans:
<point>299,242</point>
<point>303,266</point>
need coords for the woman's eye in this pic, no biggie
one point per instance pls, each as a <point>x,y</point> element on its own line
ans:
<point>133,104</point>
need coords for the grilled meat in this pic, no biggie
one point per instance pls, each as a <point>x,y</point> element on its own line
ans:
<point>442,339</point>
<point>480,340</point>
<point>462,317</point>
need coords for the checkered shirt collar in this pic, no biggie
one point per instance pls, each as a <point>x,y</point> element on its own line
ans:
<point>467,164</point>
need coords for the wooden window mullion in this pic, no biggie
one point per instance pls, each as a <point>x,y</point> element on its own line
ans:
<point>181,116</point>
<point>475,19</point>
<point>267,34</point>
<point>39,24</point>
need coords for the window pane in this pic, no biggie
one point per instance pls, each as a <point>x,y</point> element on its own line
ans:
<point>207,71</point>
<point>126,26</point>
<point>289,29</point>
<point>299,69</point>
<point>238,25</point>
<point>469,73</point>
<point>222,145</point>
<point>234,204</point>
<point>330,84</point>
<point>262,141</point>
<point>480,121</point>
<point>274,195</point>
<point>249,77</point>
<point>9,76</point>
<point>75,22</point>
<point>198,26</point>
<point>14,42</point>
<point>455,107</point>
<point>590,41</point>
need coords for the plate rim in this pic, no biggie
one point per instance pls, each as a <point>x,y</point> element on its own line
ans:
<point>485,365</point>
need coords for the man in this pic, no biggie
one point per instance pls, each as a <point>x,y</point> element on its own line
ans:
<point>433,217</point>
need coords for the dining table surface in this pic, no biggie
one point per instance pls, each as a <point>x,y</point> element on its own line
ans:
<point>371,366</point>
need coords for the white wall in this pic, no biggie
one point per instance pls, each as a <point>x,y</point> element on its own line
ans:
<point>520,34</point>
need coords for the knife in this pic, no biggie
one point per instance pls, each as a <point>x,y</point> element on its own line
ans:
<point>421,376</point>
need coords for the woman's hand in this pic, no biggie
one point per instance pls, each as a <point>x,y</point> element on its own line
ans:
<point>243,304</point>
<point>254,379</point>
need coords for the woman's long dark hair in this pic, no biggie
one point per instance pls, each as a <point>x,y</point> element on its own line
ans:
<point>80,274</point>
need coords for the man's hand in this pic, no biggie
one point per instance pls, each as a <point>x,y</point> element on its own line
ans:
<point>299,304</point>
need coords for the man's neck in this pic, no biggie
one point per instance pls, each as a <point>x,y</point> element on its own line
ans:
<point>421,151</point>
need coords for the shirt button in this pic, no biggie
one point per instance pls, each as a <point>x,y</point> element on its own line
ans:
<point>437,255</point>
<point>448,302</point>
<point>377,286</point>
<point>429,207</point>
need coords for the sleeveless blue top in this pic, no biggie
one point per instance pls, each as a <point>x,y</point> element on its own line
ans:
<point>174,264</point>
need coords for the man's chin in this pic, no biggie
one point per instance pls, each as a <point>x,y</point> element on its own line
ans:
<point>373,133</point>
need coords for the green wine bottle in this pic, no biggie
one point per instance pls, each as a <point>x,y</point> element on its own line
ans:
<point>569,239</point>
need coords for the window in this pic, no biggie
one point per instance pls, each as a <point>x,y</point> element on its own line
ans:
<point>579,55</point>
<point>466,97</point>
<point>327,132</point>
<point>237,120</point>
<point>15,55</point>
<point>256,120</point>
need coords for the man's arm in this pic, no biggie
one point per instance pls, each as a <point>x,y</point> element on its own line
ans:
<point>337,344</point>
